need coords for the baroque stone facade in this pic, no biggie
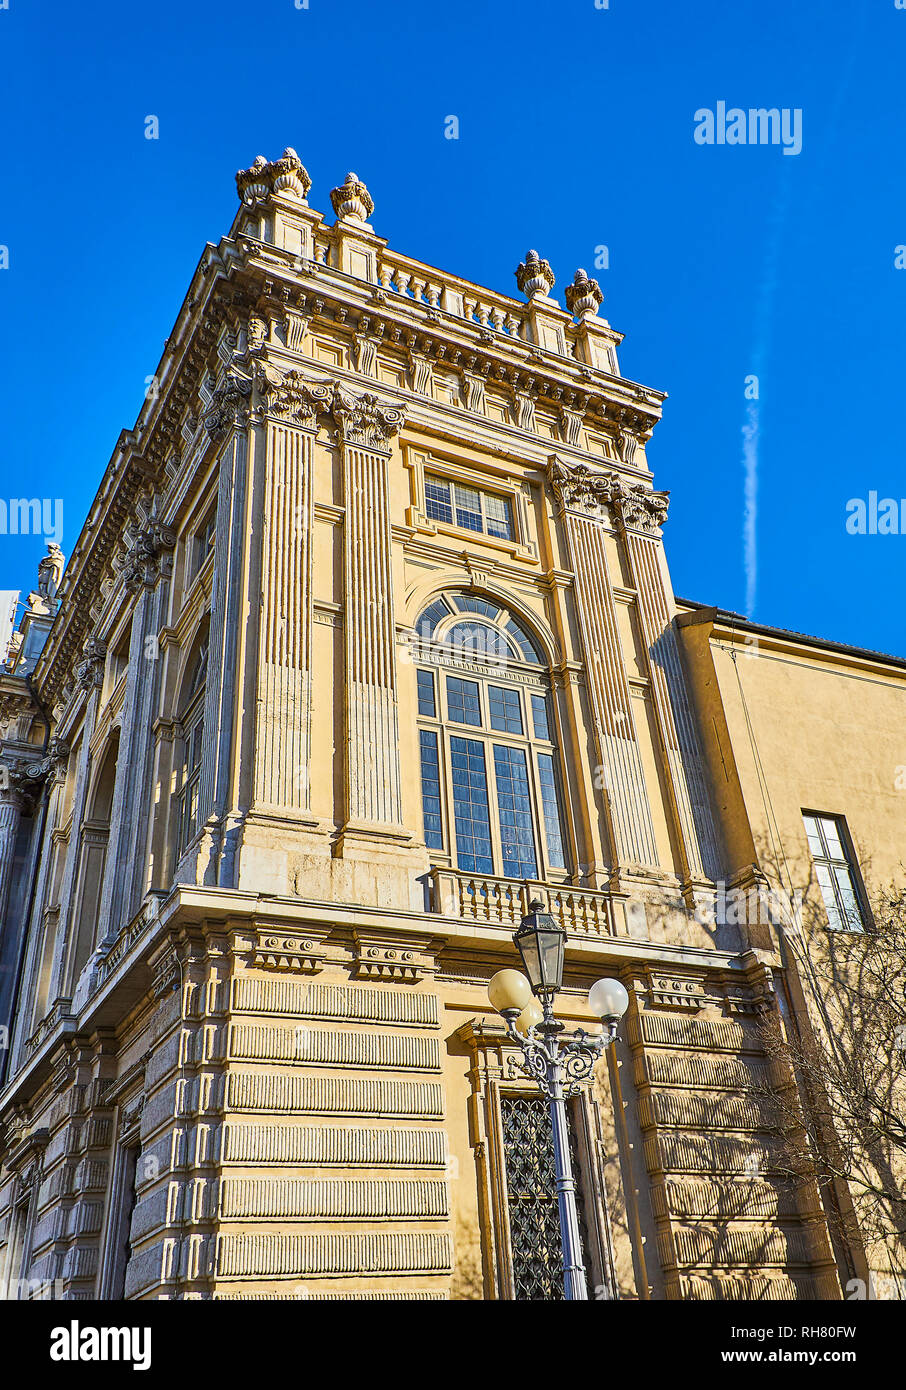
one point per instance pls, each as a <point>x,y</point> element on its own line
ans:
<point>369,639</point>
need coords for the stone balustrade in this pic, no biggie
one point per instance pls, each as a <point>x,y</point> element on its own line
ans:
<point>437,290</point>
<point>505,901</point>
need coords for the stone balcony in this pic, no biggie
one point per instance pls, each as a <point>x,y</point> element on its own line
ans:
<point>505,901</point>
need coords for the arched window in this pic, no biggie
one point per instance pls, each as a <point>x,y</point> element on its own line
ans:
<point>92,863</point>
<point>188,767</point>
<point>489,765</point>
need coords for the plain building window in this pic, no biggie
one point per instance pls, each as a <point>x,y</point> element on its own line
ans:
<point>470,508</point>
<point>836,871</point>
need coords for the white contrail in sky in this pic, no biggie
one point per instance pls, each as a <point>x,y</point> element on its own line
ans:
<point>750,515</point>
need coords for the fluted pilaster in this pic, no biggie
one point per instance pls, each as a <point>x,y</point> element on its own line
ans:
<point>582,497</point>
<point>366,427</point>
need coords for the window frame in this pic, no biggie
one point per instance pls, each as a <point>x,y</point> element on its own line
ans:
<point>188,779</point>
<point>831,862</point>
<point>482,493</point>
<point>525,679</point>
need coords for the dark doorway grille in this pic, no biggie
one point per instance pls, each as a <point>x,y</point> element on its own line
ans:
<point>532,1197</point>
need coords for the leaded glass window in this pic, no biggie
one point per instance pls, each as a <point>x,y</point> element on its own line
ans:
<point>470,806</point>
<point>431,803</point>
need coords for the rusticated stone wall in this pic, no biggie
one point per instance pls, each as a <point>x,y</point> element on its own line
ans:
<point>300,1143</point>
<point>730,1222</point>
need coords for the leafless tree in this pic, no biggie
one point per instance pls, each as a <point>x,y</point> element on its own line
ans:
<point>840,1098</point>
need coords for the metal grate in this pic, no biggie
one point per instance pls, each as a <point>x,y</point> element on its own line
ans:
<point>532,1197</point>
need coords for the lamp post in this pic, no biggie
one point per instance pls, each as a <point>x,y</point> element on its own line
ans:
<point>559,1064</point>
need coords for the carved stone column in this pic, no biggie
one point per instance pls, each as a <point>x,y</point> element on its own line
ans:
<point>365,427</point>
<point>23,784</point>
<point>90,676</point>
<point>640,514</point>
<point>11,801</point>
<point>283,731</point>
<point>583,496</point>
<point>227,422</point>
<point>144,568</point>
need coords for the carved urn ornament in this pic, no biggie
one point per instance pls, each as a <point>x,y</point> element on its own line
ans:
<point>534,276</point>
<point>352,200</point>
<point>583,296</point>
<point>286,175</point>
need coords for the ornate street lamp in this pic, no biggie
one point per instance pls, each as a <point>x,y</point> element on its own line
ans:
<point>559,1063</point>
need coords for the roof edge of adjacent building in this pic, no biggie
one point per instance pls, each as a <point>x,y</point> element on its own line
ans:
<point>693,613</point>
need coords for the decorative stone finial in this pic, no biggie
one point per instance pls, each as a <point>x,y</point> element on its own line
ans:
<point>352,201</point>
<point>534,276</point>
<point>583,297</point>
<point>286,175</point>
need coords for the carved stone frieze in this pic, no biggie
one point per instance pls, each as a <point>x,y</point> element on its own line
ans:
<point>290,951</point>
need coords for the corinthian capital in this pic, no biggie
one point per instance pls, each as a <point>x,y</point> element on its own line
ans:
<point>23,778</point>
<point>90,670</point>
<point>291,397</point>
<point>229,407</point>
<point>640,510</point>
<point>146,554</point>
<point>364,420</point>
<point>580,487</point>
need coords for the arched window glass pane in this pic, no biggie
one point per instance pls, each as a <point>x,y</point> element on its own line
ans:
<point>468,603</point>
<point>476,641</point>
<point>432,615</point>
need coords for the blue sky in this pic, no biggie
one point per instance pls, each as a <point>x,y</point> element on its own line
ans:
<point>576,131</point>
